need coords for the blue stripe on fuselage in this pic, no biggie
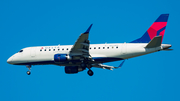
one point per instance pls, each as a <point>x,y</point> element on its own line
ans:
<point>97,60</point>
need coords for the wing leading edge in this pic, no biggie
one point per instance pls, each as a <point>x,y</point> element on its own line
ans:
<point>81,47</point>
<point>80,50</point>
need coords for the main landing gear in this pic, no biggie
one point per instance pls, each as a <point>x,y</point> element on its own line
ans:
<point>90,72</point>
<point>29,71</point>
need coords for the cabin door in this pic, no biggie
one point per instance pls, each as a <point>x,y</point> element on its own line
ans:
<point>33,52</point>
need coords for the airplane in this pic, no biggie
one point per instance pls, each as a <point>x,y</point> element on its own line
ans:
<point>83,55</point>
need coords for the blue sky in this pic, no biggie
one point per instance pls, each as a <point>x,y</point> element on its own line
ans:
<point>152,77</point>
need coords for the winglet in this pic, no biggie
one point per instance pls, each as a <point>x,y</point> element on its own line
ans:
<point>87,31</point>
<point>121,64</point>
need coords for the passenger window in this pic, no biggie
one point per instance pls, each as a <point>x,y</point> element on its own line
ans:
<point>67,48</point>
<point>54,49</point>
<point>107,47</point>
<point>103,47</point>
<point>94,47</point>
<point>117,47</point>
<point>49,49</point>
<point>90,48</point>
<point>58,49</point>
<point>45,50</point>
<point>99,47</point>
<point>41,50</point>
<point>63,49</point>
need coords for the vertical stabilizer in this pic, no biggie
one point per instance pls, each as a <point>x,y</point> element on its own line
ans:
<point>156,29</point>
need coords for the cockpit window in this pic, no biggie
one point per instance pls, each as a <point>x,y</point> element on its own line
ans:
<point>20,51</point>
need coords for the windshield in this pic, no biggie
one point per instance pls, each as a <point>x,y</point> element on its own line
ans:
<point>20,51</point>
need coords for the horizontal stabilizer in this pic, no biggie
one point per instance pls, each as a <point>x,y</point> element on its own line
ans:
<point>155,42</point>
<point>167,49</point>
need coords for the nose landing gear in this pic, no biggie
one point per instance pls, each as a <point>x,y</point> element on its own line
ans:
<point>29,71</point>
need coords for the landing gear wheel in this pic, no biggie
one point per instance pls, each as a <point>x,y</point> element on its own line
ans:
<point>28,72</point>
<point>90,72</point>
<point>29,67</point>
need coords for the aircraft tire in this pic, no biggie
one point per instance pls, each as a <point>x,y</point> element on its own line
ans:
<point>28,72</point>
<point>90,72</point>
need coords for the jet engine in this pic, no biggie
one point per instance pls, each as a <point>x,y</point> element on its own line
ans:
<point>73,69</point>
<point>61,57</point>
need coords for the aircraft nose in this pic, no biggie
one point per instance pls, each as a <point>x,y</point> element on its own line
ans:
<point>10,60</point>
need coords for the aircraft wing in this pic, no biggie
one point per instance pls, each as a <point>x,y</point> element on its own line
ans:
<point>81,47</point>
<point>106,66</point>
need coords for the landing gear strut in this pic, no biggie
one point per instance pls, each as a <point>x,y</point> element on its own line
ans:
<point>84,64</point>
<point>29,71</point>
<point>90,72</point>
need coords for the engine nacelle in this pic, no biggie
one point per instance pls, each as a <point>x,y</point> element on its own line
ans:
<point>73,69</point>
<point>60,57</point>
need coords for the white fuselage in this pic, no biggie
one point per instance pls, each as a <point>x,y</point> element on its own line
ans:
<point>99,52</point>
